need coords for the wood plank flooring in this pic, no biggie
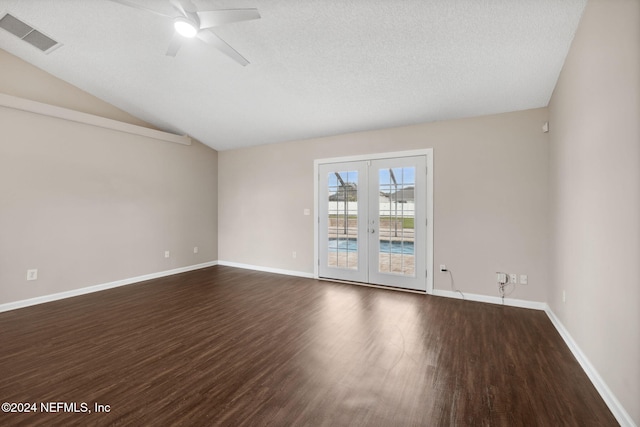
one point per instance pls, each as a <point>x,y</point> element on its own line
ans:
<point>224,346</point>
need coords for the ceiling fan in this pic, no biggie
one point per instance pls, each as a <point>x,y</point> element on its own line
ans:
<point>192,22</point>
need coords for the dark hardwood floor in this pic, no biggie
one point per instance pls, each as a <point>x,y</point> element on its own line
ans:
<point>224,346</point>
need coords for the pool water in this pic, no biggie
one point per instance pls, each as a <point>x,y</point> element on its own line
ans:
<point>386,246</point>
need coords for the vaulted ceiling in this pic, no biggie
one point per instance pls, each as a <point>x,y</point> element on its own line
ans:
<point>317,67</point>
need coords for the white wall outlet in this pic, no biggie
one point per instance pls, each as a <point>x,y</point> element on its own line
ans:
<point>195,249</point>
<point>513,278</point>
<point>524,279</point>
<point>306,211</point>
<point>443,267</point>
<point>32,274</point>
<point>166,254</point>
<point>502,278</point>
<point>294,254</point>
<point>564,296</point>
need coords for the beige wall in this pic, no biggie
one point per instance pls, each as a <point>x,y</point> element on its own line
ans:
<point>490,198</point>
<point>87,205</point>
<point>595,194</point>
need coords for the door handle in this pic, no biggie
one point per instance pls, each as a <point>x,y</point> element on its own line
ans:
<point>372,230</point>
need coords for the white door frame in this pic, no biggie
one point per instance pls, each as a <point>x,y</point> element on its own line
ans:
<point>428,152</point>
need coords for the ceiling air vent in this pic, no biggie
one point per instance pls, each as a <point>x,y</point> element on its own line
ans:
<point>27,33</point>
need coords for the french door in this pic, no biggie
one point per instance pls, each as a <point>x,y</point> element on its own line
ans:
<point>372,221</point>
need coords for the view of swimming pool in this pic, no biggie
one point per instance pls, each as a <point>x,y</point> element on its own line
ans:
<point>386,246</point>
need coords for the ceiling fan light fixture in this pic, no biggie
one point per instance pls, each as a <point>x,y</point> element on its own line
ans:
<point>185,28</point>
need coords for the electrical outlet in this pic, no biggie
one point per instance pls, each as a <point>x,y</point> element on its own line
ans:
<point>195,249</point>
<point>502,278</point>
<point>32,274</point>
<point>513,278</point>
<point>443,267</point>
<point>166,254</point>
<point>524,279</point>
<point>306,211</point>
<point>564,296</point>
<point>294,254</point>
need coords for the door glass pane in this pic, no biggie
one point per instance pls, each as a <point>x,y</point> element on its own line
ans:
<point>396,213</point>
<point>343,220</point>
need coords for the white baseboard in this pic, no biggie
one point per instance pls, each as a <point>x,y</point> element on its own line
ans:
<point>491,299</point>
<point>266,269</point>
<point>96,288</point>
<point>607,395</point>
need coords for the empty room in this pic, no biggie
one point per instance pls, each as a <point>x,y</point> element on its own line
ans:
<point>320,213</point>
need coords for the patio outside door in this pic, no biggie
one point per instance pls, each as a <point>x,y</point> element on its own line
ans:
<point>372,221</point>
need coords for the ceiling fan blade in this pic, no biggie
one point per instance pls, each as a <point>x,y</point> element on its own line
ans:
<point>137,6</point>
<point>189,6</point>
<point>222,46</point>
<point>185,7</point>
<point>174,44</point>
<point>176,4</point>
<point>213,18</point>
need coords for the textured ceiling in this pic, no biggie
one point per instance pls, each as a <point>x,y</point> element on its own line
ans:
<point>317,67</point>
